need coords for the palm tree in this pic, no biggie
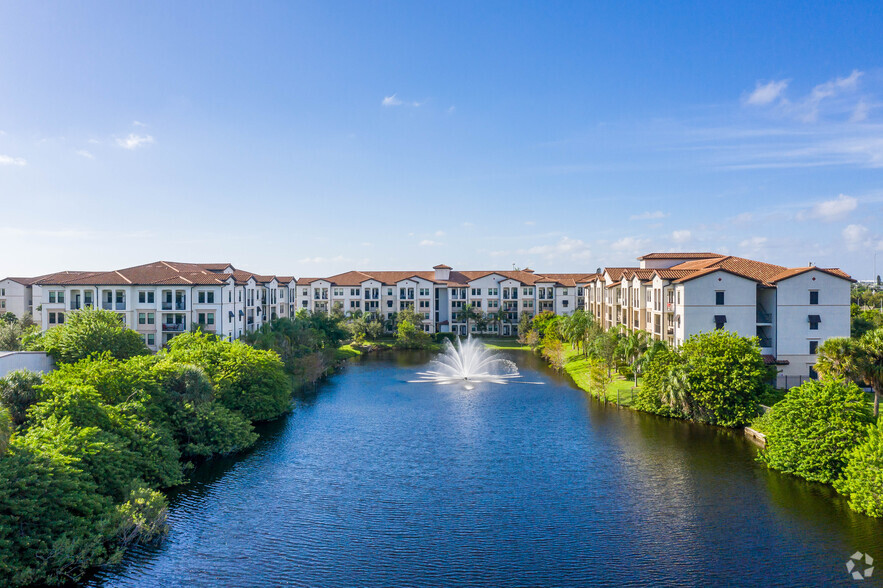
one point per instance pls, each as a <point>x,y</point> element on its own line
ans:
<point>860,359</point>
<point>836,358</point>
<point>576,328</point>
<point>467,313</point>
<point>632,349</point>
<point>675,388</point>
<point>498,318</point>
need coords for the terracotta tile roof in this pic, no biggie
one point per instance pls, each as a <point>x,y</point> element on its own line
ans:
<point>642,274</point>
<point>569,280</point>
<point>53,278</point>
<point>159,273</point>
<point>441,266</point>
<point>616,273</point>
<point>746,268</point>
<point>672,274</point>
<point>679,255</point>
<point>796,271</point>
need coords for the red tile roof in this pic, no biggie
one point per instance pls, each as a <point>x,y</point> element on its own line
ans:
<point>679,255</point>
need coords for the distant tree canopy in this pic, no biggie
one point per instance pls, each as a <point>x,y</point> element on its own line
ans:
<point>90,331</point>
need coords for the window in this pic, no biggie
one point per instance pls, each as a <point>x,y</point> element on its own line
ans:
<point>337,291</point>
<point>424,291</point>
<point>229,296</point>
<point>389,303</point>
<point>719,321</point>
<point>813,346</point>
<point>151,318</point>
<point>210,318</point>
<point>151,339</point>
<point>719,298</point>
<point>493,291</point>
<point>60,318</point>
<point>813,296</point>
<point>2,304</point>
<point>51,318</point>
<point>201,297</point>
<point>201,318</point>
<point>142,318</point>
<point>814,321</point>
<point>564,303</point>
<point>476,291</point>
<point>355,291</point>
<point>564,291</point>
<point>52,300</point>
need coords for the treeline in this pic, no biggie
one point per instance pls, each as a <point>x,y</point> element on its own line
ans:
<point>866,310</point>
<point>716,378</point>
<point>826,431</point>
<point>85,449</point>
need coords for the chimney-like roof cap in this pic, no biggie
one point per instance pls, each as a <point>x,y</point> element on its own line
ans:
<point>442,266</point>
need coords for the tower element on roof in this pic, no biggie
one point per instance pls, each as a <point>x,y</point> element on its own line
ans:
<point>442,272</point>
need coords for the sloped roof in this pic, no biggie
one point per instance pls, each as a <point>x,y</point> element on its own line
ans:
<point>616,273</point>
<point>796,271</point>
<point>159,273</point>
<point>53,278</point>
<point>679,255</point>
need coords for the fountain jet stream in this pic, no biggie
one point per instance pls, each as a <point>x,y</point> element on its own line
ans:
<point>469,363</point>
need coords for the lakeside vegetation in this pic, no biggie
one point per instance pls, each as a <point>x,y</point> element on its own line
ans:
<point>824,431</point>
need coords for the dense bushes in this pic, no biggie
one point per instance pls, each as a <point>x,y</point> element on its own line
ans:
<point>92,441</point>
<point>91,331</point>
<point>810,432</point>
<point>862,479</point>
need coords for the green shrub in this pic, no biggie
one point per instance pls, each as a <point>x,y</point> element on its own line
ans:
<point>91,331</point>
<point>18,391</point>
<point>810,432</point>
<point>862,479</point>
<point>143,518</point>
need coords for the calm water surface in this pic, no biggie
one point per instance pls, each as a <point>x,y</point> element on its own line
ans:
<point>374,481</point>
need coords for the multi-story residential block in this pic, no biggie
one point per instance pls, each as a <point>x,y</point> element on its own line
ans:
<point>674,295</point>
<point>162,299</point>
<point>441,294</point>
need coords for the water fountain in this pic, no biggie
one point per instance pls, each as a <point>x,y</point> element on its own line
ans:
<point>469,363</point>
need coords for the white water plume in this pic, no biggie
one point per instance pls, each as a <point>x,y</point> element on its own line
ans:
<point>469,363</point>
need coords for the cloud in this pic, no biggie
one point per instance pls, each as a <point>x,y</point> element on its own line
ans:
<point>530,223</point>
<point>681,236</point>
<point>467,225</point>
<point>766,93</point>
<point>565,248</point>
<point>335,259</point>
<point>856,236</point>
<point>754,244</point>
<point>439,233</point>
<point>429,243</point>
<point>649,215</point>
<point>84,153</point>
<point>134,141</point>
<point>138,123</point>
<point>830,210</point>
<point>744,217</point>
<point>630,245</point>
<point>391,101</point>
<point>860,112</point>
<point>16,161</point>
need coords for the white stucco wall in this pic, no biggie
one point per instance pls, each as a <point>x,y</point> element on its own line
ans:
<point>36,361</point>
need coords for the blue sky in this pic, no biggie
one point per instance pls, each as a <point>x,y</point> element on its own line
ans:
<point>312,138</point>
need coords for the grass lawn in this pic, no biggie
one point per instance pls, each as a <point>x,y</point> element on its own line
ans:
<point>504,343</point>
<point>578,368</point>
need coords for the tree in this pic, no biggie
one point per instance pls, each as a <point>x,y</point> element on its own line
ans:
<point>862,478</point>
<point>632,348</point>
<point>727,375</point>
<point>18,391</point>
<point>5,430</point>
<point>408,336</point>
<point>675,390</point>
<point>247,380</point>
<point>553,351</point>
<point>811,430</point>
<point>599,377</point>
<point>481,320</point>
<point>14,333</point>
<point>577,328</point>
<point>499,317</point>
<point>524,327</point>
<point>90,331</point>
<point>604,348</point>
<point>658,393</point>
<point>860,359</point>
<point>467,314</point>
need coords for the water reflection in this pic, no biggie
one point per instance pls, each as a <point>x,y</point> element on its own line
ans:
<point>375,481</point>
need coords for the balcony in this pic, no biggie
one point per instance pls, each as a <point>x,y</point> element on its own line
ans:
<point>107,305</point>
<point>121,306</point>
<point>669,307</point>
<point>173,327</point>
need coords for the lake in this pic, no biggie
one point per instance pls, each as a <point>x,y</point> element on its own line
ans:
<point>375,481</point>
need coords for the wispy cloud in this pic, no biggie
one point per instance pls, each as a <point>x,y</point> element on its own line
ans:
<point>138,123</point>
<point>830,210</point>
<point>321,260</point>
<point>16,161</point>
<point>84,153</point>
<point>134,141</point>
<point>681,236</point>
<point>766,93</point>
<point>565,248</point>
<point>391,101</point>
<point>429,243</point>
<point>656,214</point>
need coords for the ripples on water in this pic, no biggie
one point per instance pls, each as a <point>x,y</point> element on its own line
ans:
<point>375,481</point>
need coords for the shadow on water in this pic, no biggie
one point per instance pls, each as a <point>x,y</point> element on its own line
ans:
<point>374,481</point>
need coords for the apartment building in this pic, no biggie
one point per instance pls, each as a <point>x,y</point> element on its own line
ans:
<point>441,294</point>
<point>162,299</point>
<point>675,295</point>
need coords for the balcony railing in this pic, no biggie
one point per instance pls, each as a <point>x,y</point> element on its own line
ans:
<point>173,327</point>
<point>121,306</point>
<point>669,307</point>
